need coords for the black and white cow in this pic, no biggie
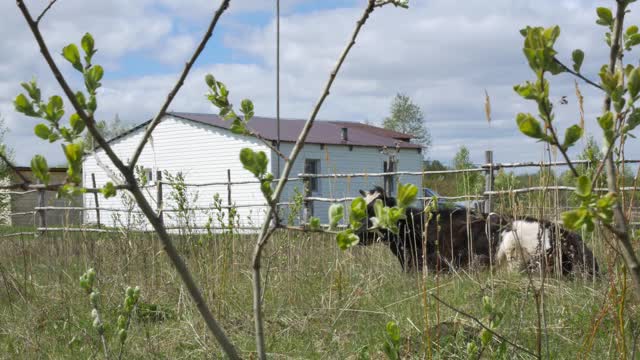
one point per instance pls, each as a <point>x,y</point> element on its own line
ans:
<point>453,238</point>
<point>530,243</point>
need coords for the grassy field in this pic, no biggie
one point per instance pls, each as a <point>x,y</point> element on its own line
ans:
<point>320,302</point>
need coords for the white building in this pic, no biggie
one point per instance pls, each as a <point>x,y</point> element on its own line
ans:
<point>204,150</point>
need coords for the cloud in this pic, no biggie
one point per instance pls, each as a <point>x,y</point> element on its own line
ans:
<point>442,53</point>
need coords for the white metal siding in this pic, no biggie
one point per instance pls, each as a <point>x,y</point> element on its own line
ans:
<point>337,159</point>
<point>202,153</point>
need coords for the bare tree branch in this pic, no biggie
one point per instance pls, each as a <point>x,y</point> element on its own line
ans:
<point>13,168</point>
<point>267,143</point>
<point>620,227</point>
<point>187,67</point>
<point>266,230</point>
<point>578,75</point>
<point>45,11</point>
<point>142,201</point>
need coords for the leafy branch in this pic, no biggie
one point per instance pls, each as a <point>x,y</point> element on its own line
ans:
<point>253,160</point>
<point>85,109</point>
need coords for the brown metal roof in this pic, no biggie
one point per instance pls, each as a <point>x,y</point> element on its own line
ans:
<point>322,132</point>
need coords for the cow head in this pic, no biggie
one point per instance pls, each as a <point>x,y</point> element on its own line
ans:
<point>368,237</point>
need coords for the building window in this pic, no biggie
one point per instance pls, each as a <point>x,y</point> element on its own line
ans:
<point>149,175</point>
<point>389,180</point>
<point>312,166</point>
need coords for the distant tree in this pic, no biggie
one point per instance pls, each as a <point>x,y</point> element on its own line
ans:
<point>434,165</point>
<point>470,182</point>
<point>109,130</point>
<point>407,117</point>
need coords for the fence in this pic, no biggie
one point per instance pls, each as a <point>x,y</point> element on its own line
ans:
<point>161,191</point>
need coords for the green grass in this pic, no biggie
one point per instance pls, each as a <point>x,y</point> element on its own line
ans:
<point>320,302</point>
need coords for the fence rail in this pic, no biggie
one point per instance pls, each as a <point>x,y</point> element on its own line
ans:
<point>40,209</point>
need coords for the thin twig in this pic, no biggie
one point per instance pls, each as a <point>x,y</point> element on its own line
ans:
<point>187,67</point>
<point>578,75</point>
<point>620,226</point>
<point>477,321</point>
<point>45,11</point>
<point>266,142</point>
<point>266,230</point>
<point>135,190</point>
<point>6,160</point>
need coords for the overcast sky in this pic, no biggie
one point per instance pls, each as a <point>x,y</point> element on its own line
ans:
<point>442,53</point>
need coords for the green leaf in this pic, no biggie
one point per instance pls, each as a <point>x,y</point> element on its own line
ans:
<point>24,106</point>
<point>407,194</point>
<point>314,223</point>
<point>393,332</point>
<point>606,121</point>
<point>573,134</point>
<point>88,47</point>
<point>633,83</point>
<point>583,186</point>
<point>633,41</point>
<point>32,89</point>
<point>237,127</point>
<point>54,109</point>
<point>529,126</point>
<point>633,29</point>
<point>109,190</point>
<point>633,120</point>
<point>246,107</point>
<point>248,160</point>
<point>77,124</point>
<point>92,78</point>
<point>527,91</point>
<point>605,17</point>
<point>261,162</point>
<point>578,58</point>
<point>358,209</point>
<point>71,53</point>
<point>485,337</point>
<point>336,214</point>
<point>42,131</point>
<point>347,239</point>
<point>40,169</point>
<point>210,81</point>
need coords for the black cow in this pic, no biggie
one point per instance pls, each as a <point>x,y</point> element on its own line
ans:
<point>454,238</point>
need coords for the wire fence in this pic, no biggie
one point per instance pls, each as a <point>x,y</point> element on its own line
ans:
<point>92,216</point>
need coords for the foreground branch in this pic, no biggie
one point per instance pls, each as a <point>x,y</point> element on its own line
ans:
<point>576,74</point>
<point>187,67</point>
<point>14,168</point>
<point>620,227</point>
<point>135,190</point>
<point>267,230</point>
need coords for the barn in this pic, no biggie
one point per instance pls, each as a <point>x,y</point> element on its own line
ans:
<point>203,150</point>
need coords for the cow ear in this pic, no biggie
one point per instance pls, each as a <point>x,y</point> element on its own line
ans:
<point>364,194</point>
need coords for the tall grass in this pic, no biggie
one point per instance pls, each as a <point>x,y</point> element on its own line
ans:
<point>319,302</point>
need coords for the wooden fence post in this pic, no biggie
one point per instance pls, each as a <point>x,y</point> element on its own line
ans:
<point>229,214</point>
<point>307,210</point>
<point>159,195</point>
<point>42,214</point>
<point>488,181</point>
<point>95,199</point>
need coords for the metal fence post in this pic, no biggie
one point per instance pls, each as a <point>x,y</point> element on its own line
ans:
<point>42,214</point>
<point>488,181</point>
<point>95,199</point>
<point>159,195</point>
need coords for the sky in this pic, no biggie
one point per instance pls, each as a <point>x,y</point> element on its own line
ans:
<point>444,54</point>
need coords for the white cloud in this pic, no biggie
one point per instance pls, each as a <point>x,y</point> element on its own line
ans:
<point>444,54</point>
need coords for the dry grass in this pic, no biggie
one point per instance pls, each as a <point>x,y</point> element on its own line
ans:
<point>320,303</point>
